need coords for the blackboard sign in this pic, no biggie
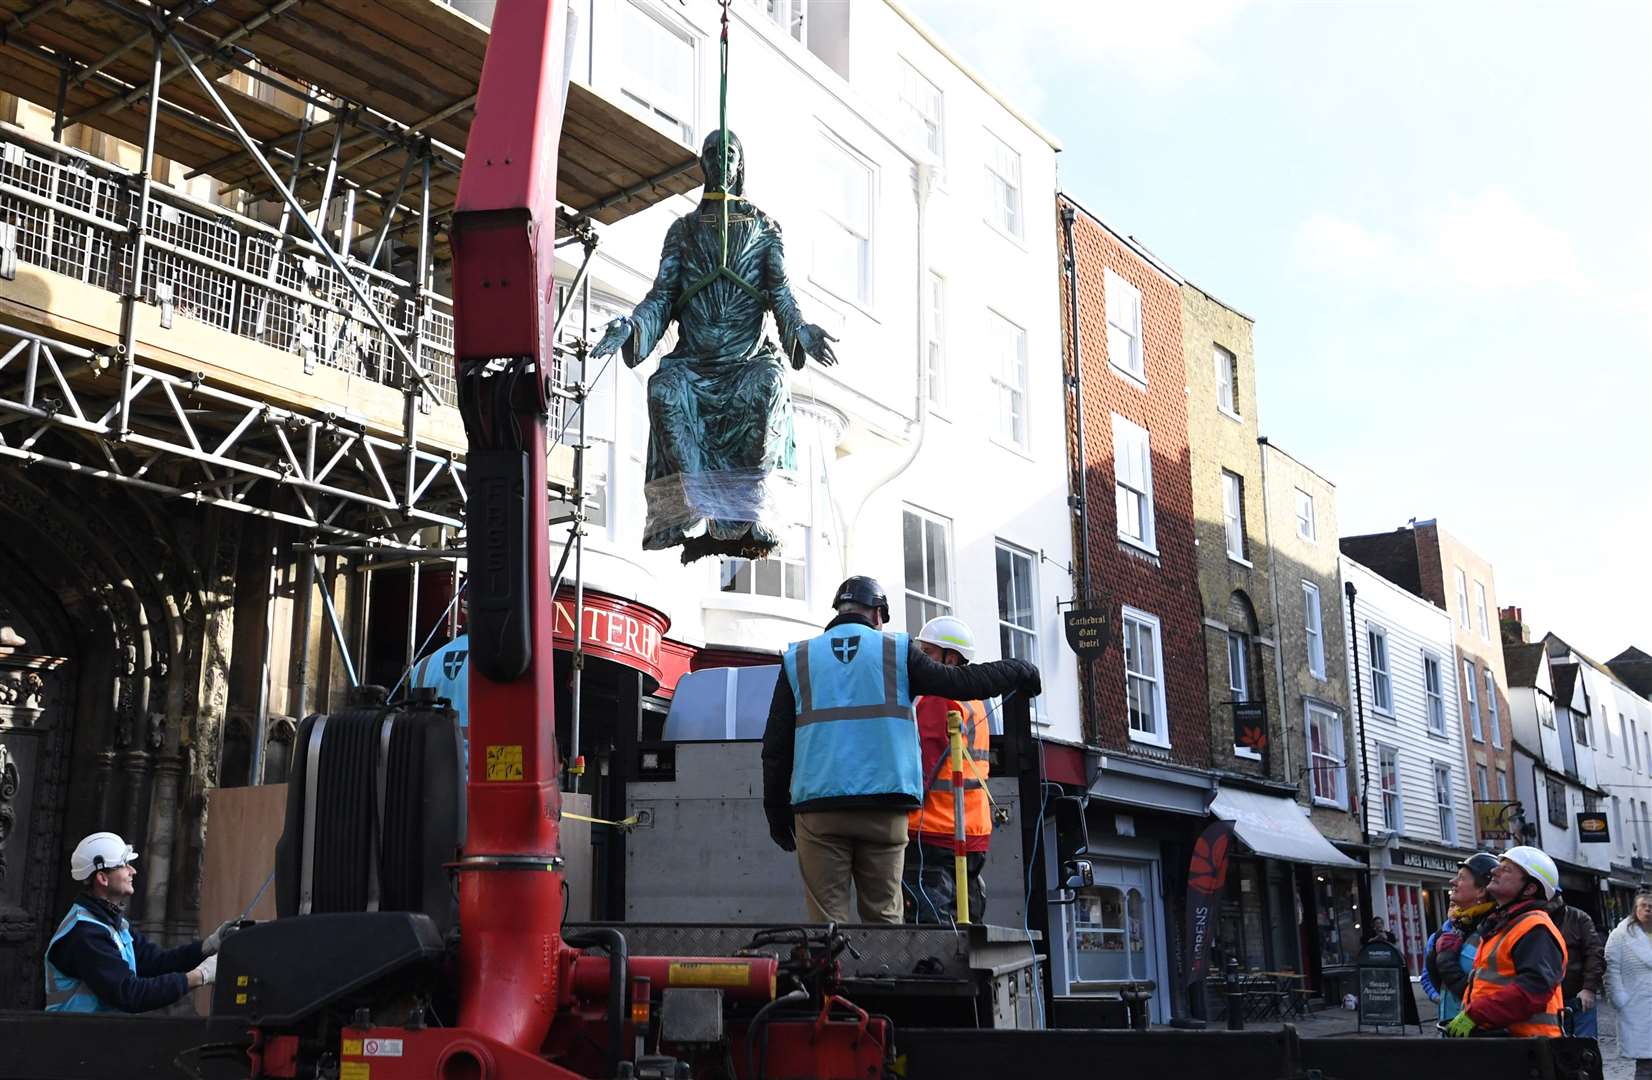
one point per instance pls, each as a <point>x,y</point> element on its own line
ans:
<point>1086,630</point>
<point>1385,998</point>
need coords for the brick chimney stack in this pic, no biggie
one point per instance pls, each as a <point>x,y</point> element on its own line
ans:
<point>1513,625</point>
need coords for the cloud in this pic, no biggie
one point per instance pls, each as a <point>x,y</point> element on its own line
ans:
<point>1014,45</point>
<point>1489,242</point>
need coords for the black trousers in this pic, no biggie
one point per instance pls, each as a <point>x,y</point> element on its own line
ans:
<point>929,884</point>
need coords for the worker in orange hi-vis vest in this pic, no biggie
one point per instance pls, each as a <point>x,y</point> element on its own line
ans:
<point>1515,986</point>
<point>930,883</point>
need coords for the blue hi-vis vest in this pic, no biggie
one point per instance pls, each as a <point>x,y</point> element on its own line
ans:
<point>65,994</point>
<point>447,671</point>
<point>856,732</point>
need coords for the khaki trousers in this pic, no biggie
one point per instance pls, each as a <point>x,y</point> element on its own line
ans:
<point>867,847</point>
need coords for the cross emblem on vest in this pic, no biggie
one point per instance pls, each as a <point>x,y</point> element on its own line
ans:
<point>845,648</point>
<point>454,662</point>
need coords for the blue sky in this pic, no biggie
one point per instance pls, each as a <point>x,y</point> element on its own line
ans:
<point>1440,215</point>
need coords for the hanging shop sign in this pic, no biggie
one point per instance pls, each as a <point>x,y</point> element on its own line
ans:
<point>1250,725</point>
<point>1087,630</point>
<point>1592,829</point>
<point>1496,819</point>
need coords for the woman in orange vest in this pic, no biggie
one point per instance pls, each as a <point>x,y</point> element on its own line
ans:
<point>930,884</point>
<point>1515,987</point>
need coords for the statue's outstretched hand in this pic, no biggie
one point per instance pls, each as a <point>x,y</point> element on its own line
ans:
<point>815,342</point>
<point>614,336</point>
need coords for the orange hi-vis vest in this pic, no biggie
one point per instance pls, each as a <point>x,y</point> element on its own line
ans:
<point>934,818</point>
<point>1494,966</point>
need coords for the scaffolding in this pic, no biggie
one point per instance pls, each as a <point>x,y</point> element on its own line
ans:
<point>341,130</point>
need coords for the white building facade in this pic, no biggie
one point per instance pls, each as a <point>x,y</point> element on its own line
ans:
<point>1416,793</point>
<point>933,456</point>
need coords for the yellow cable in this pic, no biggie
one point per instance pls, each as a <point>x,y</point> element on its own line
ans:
<point>626,824</point>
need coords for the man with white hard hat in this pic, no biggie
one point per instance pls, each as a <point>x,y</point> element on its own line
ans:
<point>1515,987</point>
<point>96,962</point>
<point>929,876</point>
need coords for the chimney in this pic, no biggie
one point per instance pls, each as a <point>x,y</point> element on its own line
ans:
<point>1513,625</point>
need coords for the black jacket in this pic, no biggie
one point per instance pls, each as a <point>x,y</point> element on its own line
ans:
<point>971,682</point>
<point>1585,955</point>
<point>89,954</point>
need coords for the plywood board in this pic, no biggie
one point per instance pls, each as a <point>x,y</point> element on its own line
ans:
<point>243,824</point>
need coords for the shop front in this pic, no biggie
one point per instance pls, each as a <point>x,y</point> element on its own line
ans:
<point>1411,893</point>
<point>1619,898</point>
<point>1331,928</point>
<point>1584,888</point>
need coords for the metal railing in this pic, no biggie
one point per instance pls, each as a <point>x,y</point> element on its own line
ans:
<point>73,215</point>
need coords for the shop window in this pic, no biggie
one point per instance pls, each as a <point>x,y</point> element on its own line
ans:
<point>1405,919</point>
<point>1109,934</point>
<point>1338,919</point>
<point>781,575</point>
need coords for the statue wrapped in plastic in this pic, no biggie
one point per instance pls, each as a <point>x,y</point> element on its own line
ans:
<point>721,453</point>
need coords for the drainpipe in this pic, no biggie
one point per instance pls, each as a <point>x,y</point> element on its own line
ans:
<point>1278,626</point>
<point>1364,762</point>
<point>924,179</point>
<point>1076,384</point>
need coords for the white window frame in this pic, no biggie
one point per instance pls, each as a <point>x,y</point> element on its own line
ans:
<point>1606,729</point>
<point>861,290</point>
<point>1480,609</point>
<point>1141,441</point>
<point>1233,515</point>
<point>1307,528</point>
<point>792,553</point>
<point>1160,736</point>
<point>1462,598</point>
<point>1482,776</point>
<point>1496,722</point>
<point>1239,665</point>
<point>1123,302</point>
<point>1393,818</point>
<point>1006,209</point>
<point>646,96</point>
<point>1227,380</point>
<point>1373,634</point>
<point>1009,627</point>
<point>930,129</point>
<point>1445,803</point>
<point>1470,677</point>
<point>787,15</point>
<point>1314,629</point>
<point>944,604</point>
<point>1434,696</point>
<point>1332,756</point>
<point>935,356</point>
<point>1012,397</point>
<point>1502,784</point>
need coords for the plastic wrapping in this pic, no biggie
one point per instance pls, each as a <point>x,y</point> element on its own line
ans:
<point>765,497</point>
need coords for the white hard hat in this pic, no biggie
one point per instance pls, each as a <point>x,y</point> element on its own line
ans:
<point>99,851</point>
<point>949,632</point>
<point>1538,866</point>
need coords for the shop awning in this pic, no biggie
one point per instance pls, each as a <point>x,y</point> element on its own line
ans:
<point>1275,827</point>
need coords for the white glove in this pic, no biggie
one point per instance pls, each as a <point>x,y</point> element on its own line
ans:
<point>215,940</point>
<point>205,972</point>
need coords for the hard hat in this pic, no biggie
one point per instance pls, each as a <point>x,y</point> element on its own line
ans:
<point>863,590</point>
<point>99,851</point>
<point>949,632</point>
<point>1479,866</point>
<point>1538,866</point>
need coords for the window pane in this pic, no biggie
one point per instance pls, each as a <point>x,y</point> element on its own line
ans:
<point>794,580</point>
<point>939,574</point>
<point>913,548</point>
<point>768,577</point>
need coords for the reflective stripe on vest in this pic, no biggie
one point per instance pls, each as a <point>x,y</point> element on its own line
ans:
<point>1494,966</point>
<point>67,994</point>
<point>856,733</point>
<point>935,818</point>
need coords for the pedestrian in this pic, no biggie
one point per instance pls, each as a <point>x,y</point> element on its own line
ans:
<point>96,962</point>
<point>1377,931</point>
<point>931,841</point>
<point>1514,987</point>
<point>1449,955</point>
<point>1629,983</point>
<point>841,762</point>
<point>1585,965</point>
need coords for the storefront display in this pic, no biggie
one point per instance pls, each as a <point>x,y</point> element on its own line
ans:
<point>1337,900</point>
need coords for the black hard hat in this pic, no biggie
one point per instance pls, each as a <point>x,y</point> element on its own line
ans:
<point>863,590</point>
<point>1479,866</point>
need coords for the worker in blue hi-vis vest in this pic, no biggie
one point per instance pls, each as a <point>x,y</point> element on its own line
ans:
<point>841,760</point>
<point>96,962</point>
<point>447,671</point>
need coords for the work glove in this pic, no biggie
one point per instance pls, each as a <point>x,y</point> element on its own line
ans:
<point>1460,1026</point>
<point>780,827</point>
<point>1031,684</point>
<point>1449,941</point>
<point>215,940</point>
<point>204,973</point>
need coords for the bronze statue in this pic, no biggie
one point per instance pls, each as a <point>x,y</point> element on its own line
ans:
<point>721,454</point>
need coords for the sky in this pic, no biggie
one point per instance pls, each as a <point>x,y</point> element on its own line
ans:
<point>1439,215</point>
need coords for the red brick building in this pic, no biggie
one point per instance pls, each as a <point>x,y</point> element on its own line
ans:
<point>1146,707</point>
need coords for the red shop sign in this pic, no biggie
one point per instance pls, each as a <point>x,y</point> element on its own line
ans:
<point>619,630</point>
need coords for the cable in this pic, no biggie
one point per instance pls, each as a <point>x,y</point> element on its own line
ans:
<point>428,638</point>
